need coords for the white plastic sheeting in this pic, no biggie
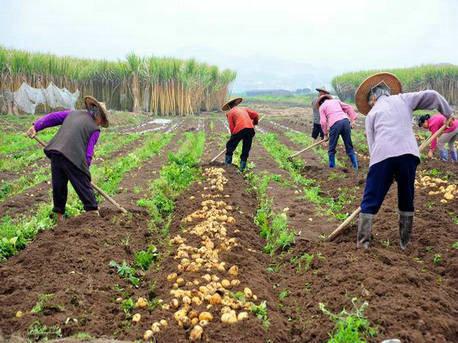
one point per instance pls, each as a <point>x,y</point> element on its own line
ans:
<point>28,98</point>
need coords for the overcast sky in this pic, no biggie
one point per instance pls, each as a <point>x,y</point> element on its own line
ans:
<point>337,34</point>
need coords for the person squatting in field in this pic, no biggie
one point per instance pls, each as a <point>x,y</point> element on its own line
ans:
<point>449,136</point>
<point>317,131</point>
<point>241,124</point>
<point>337,118</point>
<point>71,151</point>
<point>393,149</point>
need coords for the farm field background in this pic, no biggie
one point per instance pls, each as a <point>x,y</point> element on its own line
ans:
<point>205,242</point>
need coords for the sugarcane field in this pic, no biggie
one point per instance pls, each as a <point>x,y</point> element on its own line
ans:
<point>228,172</point>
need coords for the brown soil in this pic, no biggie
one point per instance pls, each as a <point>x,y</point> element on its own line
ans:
<point>410,297</point>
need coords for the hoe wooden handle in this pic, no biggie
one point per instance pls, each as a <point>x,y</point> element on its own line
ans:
<point>97,188</point>
<point>352,216</point>
<point>308,148</point>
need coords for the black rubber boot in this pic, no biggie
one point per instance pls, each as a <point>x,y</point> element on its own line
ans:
<point>364,230</point>
<point>242,166</point>
<point>228,160</point>
<point>405,227</point>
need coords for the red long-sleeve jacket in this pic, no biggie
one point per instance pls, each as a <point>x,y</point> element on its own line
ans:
<point>240,118</point>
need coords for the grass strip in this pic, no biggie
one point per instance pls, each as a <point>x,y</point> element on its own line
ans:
<point>311,188</point>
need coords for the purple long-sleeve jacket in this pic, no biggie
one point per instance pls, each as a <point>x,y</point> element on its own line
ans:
<point>57,118</point>
<point>389,123</point>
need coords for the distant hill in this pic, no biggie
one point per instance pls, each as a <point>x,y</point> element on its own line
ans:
<point>258,72</point>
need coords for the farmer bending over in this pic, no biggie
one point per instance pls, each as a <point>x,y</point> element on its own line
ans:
<point>394,153</point>
<point>241,124</point>
<point>71,151</point>
<point>337,119</point>
<point>317,131</point>
<point>449,136</point>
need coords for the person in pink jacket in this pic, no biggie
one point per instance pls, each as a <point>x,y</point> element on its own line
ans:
<point>337,118</point>
<point>449,136</point>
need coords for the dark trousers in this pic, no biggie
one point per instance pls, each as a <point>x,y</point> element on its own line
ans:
<point>317,131</point>
<point>63,171</point>
<point>340,128</point>
<point>380,177</point>
<point>245,135</point>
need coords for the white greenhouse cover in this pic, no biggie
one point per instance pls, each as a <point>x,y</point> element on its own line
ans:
<point>28,98</point>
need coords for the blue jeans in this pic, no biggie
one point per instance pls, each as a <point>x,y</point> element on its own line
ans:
<point>340,128</point>
<point>380,177</point>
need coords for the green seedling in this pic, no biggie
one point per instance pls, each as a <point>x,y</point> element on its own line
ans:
<point>144,258</point>
<point>437,259</point>
<point>455,245</point>
<point>386,243</point>
<point>39,332</point>
<point>283,294</point>
<point>260,311</point>
<point>83,336</point>
<point>126,272</point>
<point>45,303</point>
<point>127,305</point>
<point>350,327</point>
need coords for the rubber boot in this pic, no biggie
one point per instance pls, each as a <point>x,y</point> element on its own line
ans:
<point>405,227</point>
<point>453,156</point>
<point>364,230</point>
<point>443,155</point>
<point>228,160</point>
<point>332,161</point>
<point>354,161</point>
<point>60,218</point>
<point>242,166</point>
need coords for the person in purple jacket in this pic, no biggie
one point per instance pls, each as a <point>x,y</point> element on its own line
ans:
<point>393,149</point>
<point>71,151</point>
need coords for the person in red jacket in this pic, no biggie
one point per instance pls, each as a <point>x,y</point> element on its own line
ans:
<point>241,124</point>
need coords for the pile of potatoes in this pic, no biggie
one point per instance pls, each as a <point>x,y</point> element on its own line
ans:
<point>203,286</point>
<point>438,187</point>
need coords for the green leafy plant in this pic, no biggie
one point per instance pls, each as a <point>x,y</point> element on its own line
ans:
<point>144,258</point>
<point>303,262</point>
<point>45,302</point>
<point>350,327</point>
<point>260,311</point>
<point>437,259</point>
<point>455,245</point>
<point>38,332</point>
<point>126,272</point>
<point>283,294</point>
<point>127,305</point>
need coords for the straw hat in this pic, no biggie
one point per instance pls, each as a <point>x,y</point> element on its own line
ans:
<point>91,101</point>
<point>321,98</point>
<point>322,90</point>
<point>231,103</point>
<point>365,87</point>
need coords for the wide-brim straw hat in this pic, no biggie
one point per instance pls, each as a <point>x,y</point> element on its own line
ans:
<point>361,94</point>
<point>322,90</point>
<point>91,101</point>
<point>325,96</point>
<point>231,103</point>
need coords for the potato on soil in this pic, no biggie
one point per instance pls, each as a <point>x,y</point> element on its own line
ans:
<point>136,318</point>
<point>196,333</point>
<point>148,335</point>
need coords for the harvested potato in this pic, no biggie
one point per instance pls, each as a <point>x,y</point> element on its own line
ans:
<point>234,270</point>
<point>206,316</point>
<point>141,303</point>
<point>215,299</point>
<point>229,317</point>
<point>136,318</point>
<point>196,333</point>
<point>147,335</point>
<point>242,316</point>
